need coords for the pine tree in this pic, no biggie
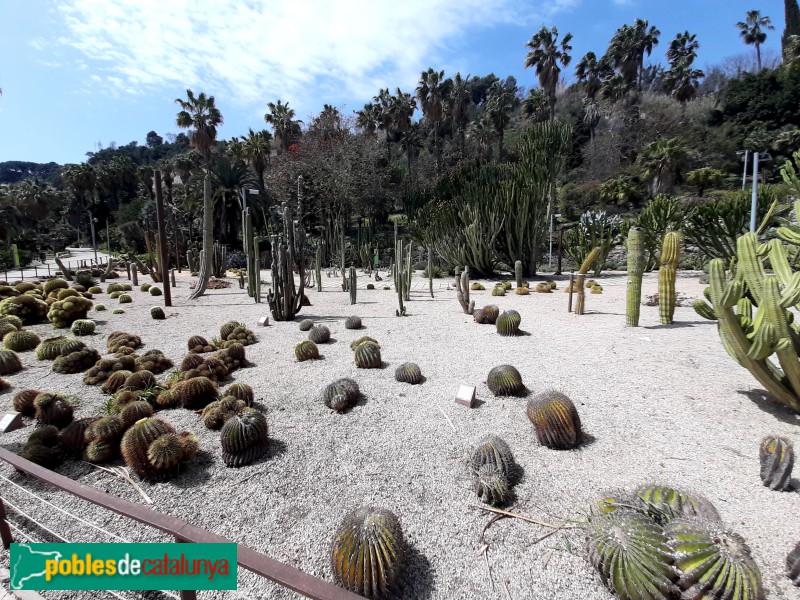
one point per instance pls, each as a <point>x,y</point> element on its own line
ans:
<point>792,23</point>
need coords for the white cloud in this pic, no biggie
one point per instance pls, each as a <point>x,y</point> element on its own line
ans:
<point>252,51</point>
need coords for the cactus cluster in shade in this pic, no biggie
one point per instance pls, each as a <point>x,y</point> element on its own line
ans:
<point>544,288</point>
<point>83,327</point>
<point>154,451</point>
<point>9,362</point>
<point>195,393</point>
<point>352,322</point>
<point>157,313</point>
<point>508,323</point>
<point>319,334</point>
<point>305,325</point>
<point>21,341</point>
<point>65,311</point>
<point>50,348</point>
<point>102,439</point>
<point>42,447</point>
<point>53,409</point>
<point>233,357</point>
<point>72,437</point>
<point>367,355</point>
<point>793,565</point>
<point>505,380</point>
<point>555,419</point>
<point>244,438</point>
<point>218,412</point>
<point>493,470</point>
<point>23,402</point>
<point>104,367</point>
<point>199,345</point>
<point>76,361</point>
<point>777,459</point>
<point>154,361</point>
<point>28,308</point>
<point>12,320</point>
<point>341,394</point>
<point>368,552</point>
<point>408,373</point>
<point>120,339</point>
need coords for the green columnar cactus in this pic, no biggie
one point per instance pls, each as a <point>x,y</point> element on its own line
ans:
<point>636,265</point>
<point>556,420</point>
<point>580,304</point>
<point>777,459</point>
<point>630,552</point>
<point>462,289</point>
<point>713,562</point>
<point>351,286</point>
<point>505,380</point>
<point>318,268</point>
<point>668,267</point>
<point>244,438</point>
<point>518,272</point>
<point>368,552</point>
<point>285,301</point>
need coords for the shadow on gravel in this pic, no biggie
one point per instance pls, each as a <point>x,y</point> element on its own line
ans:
<point>275,449</point>
<point>766,403</point>
<point>680,324</point>
<point>417,576</point>
<point>197,471</point>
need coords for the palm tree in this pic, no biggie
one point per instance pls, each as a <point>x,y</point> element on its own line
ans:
<point>82,181</point>
<point>368,118</point>
<point>482,132</point>
<point>591,72</point>
<point>682,81</point>
<point>458,101</point>
<point>286,127</point>
<point>228,179</point>
<point>545,55</point>
<point>328,124</point>
<point>660,162</point>
<point>499,104</point>
<point>628,47</point>
<point>411,142</point>
<point>753,31</point>
<point>202,117</point>
<point>432,91</point>
<point>536,106</point>
<point>683,47</point>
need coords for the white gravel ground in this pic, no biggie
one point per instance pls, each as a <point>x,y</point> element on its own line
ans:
<point>661,404</point>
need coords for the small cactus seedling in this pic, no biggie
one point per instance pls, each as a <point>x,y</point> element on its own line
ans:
<point>492,312</point>
<point>408,373</point>
<point>244,438</point>
<point>713,562</point>
<point>793,565</point>
<point>353,322</point>
<point>777,459</point>
<point>306,350</point>
<point>53,409</point>
<point>630,552</point>
<point>319,334</point>
<point>341,394</point>
<point>305,325</point>
<point>493,470</point>
<point>21,341</point>
<point>556,420</point>
<point>368,552</point>
<point>368,356</point>
<point>9,362</point>
<point>157,312</point>
<point>505,380</point>
<point>508,323</point>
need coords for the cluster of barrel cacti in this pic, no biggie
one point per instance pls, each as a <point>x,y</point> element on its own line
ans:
<point>341,394</point>
<point>493,470</point>
<point>200,345</point>
<point>486,315</point>
<point>104,367</point>
<point>155,451</point>
<point>661,543</point>
<point>120,339</point>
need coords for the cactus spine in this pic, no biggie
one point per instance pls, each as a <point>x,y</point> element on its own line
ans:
<point>636,265</point>
<point>518,273</point>
<point>670,255</point>
<point>579,283</point>
<point>352,284</point>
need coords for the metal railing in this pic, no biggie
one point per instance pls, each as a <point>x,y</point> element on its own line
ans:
<point>283,575</point>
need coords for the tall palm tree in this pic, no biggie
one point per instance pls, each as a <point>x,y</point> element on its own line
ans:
<point>256,150</point>
<point>660,162</point>
<point>591,72</point>
<point>458,101</point>
<point>545,55</point>
<point>411,142</point>
<point>628,48</point>
<point>499,105</point>
<point>368,118</point>
<point>482,133</point>
<point>202,117</point>
<point>683,47</point>
<point>753,31</point>
<point>431,92</point>
<point>228,179</point>
<point>82,181</point>
<point>285,126</point>
<point>682,80</point>
<point>536,106</point>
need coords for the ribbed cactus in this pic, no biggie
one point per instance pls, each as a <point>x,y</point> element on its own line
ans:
<point>153,361</point>
<point>555,419</point>
<point>195,393</point>
<point>479,316</point>
<point>244,438</point>
<point>68,309</point>
<point>23,402</point>
<point>630,552</point>
<point>75,362</point>
<point>42,447</point>
<point>508,323</point>
<point>240,391</point>
<point>713,561</point>
<point>120,339</point>
<point>462,289</point>
<point>153,450</point>
<point>319,334</point>
<point>636,266</point>
<point>53,409</point>
<point>667,272</point>
<point>21,341</point>
<point>368,552</point>
<point>793,565</point>
<point>71,439</point>
<point>352,283</point>
<point>306,350</point>
<point>777,459</point>
<point>543,288</point>
<point>352,322</point>
<point>664,503</point>
<point>115,381</point>
<point>365,338</point>
<point>28,308</point>
<point>408,373</point>
<point>498,290</point>
<point>494,470</point>
<point>505,380</point>
<point>218,412</point>
<point>135,411</point>
<point>83,327</point>
<point>368,356</point>
<point>191,361</point>
<point>305,325</point>
<point>518,272</point>
<point>154,291</point>
<point>491,312</point>
<point>580,304</point>
<point>157,313</point>
<point>140,380</point>
<point>341,394</point>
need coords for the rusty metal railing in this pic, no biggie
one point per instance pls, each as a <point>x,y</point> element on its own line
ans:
<point>247,558</point>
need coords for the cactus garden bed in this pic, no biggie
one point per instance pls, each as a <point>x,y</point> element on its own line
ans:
<point>658,405</point>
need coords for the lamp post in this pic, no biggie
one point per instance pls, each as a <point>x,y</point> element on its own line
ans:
<point>754,200</point>
<point>744,172</point>
<point>245,191</point>
<point>550,257</point>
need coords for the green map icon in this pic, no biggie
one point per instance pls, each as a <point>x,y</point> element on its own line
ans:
<point>28,566</point>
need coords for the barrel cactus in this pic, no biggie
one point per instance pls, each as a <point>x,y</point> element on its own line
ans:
<point>218,412</point>
<point>134,411</point>
<point>153,361</point>
<point>240,335</point>
<point>305,325</point>
<point>352,322</point>
<point>28,308</point>
<point>630,552</point>
<point>212,368</point>
<point>306,350</point>
<point>522,291</point>
<point>115,381</point>
<point>145,287</point>
<point>479,316</point>
<point>140,380</point>
<point>408,373</point>
<point>21,341</point>
<point>75,362</point>
<point>196,393</point>
<point>53,285</point>
<point>556,420</point>
<point>777,459</point>
<point>508,323</point>
<point>244,438</point>
<point>492,312</point>
<point>95,289</point>
<point>544,288</point>
<point>53,409</point>
<point>368,356</point>
<point>242,391</point>
<point>228,328</point>
<point>368,552</point>
<point>68,293</point>
<point>125,299</point>
<point>665,503</point>
<point>105,367</point>
<point>64,312</point>
<point>23,402</point>
<point>200,345</point>
<point>155,291</point>
<point>157,313</point>
<point>42,447</point>
<point>319,334</point>
<point>505,380</point>
<point>498,290</point>
<point>13,320</point>
<point>120,339</point>
<point>83,327</point>
<point>341,394</point>
<point>713,561</point>
<point>476,286</point>
<point>6,328</point>
<point>192,361</point>
<point>114,287</point>
<point>153,450</point>
<point>355,344</point>
<point>9,362</point>
<point>117,311</point>
<point>493,470</point>
<point>71,439</point>
<point>793,565</point>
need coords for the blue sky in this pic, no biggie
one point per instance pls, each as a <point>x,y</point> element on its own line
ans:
<point>78,72</point>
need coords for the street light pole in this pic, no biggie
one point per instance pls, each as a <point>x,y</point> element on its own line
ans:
<point>550,257</point>
<point>744,173</point>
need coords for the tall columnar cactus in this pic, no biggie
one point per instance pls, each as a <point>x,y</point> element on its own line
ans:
<point>401,272</point>
<point>253,260</point>
<point>318,267</point>
<point>636,264</point>
<point>287,252</point>
<point>668,268</point>
<point>594,255</point>
<point>462,289</point>
<point>353,278</point>
<point>518,273</point>
<point>430,270</point>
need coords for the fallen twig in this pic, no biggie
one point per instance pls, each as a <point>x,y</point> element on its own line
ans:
<point>505,587</point>
<point>523,517</point>
<point>122,473</point>
<point>448,418</point>
<point>547,561</point>
<point>485,552</point>
<point>494,519</point>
